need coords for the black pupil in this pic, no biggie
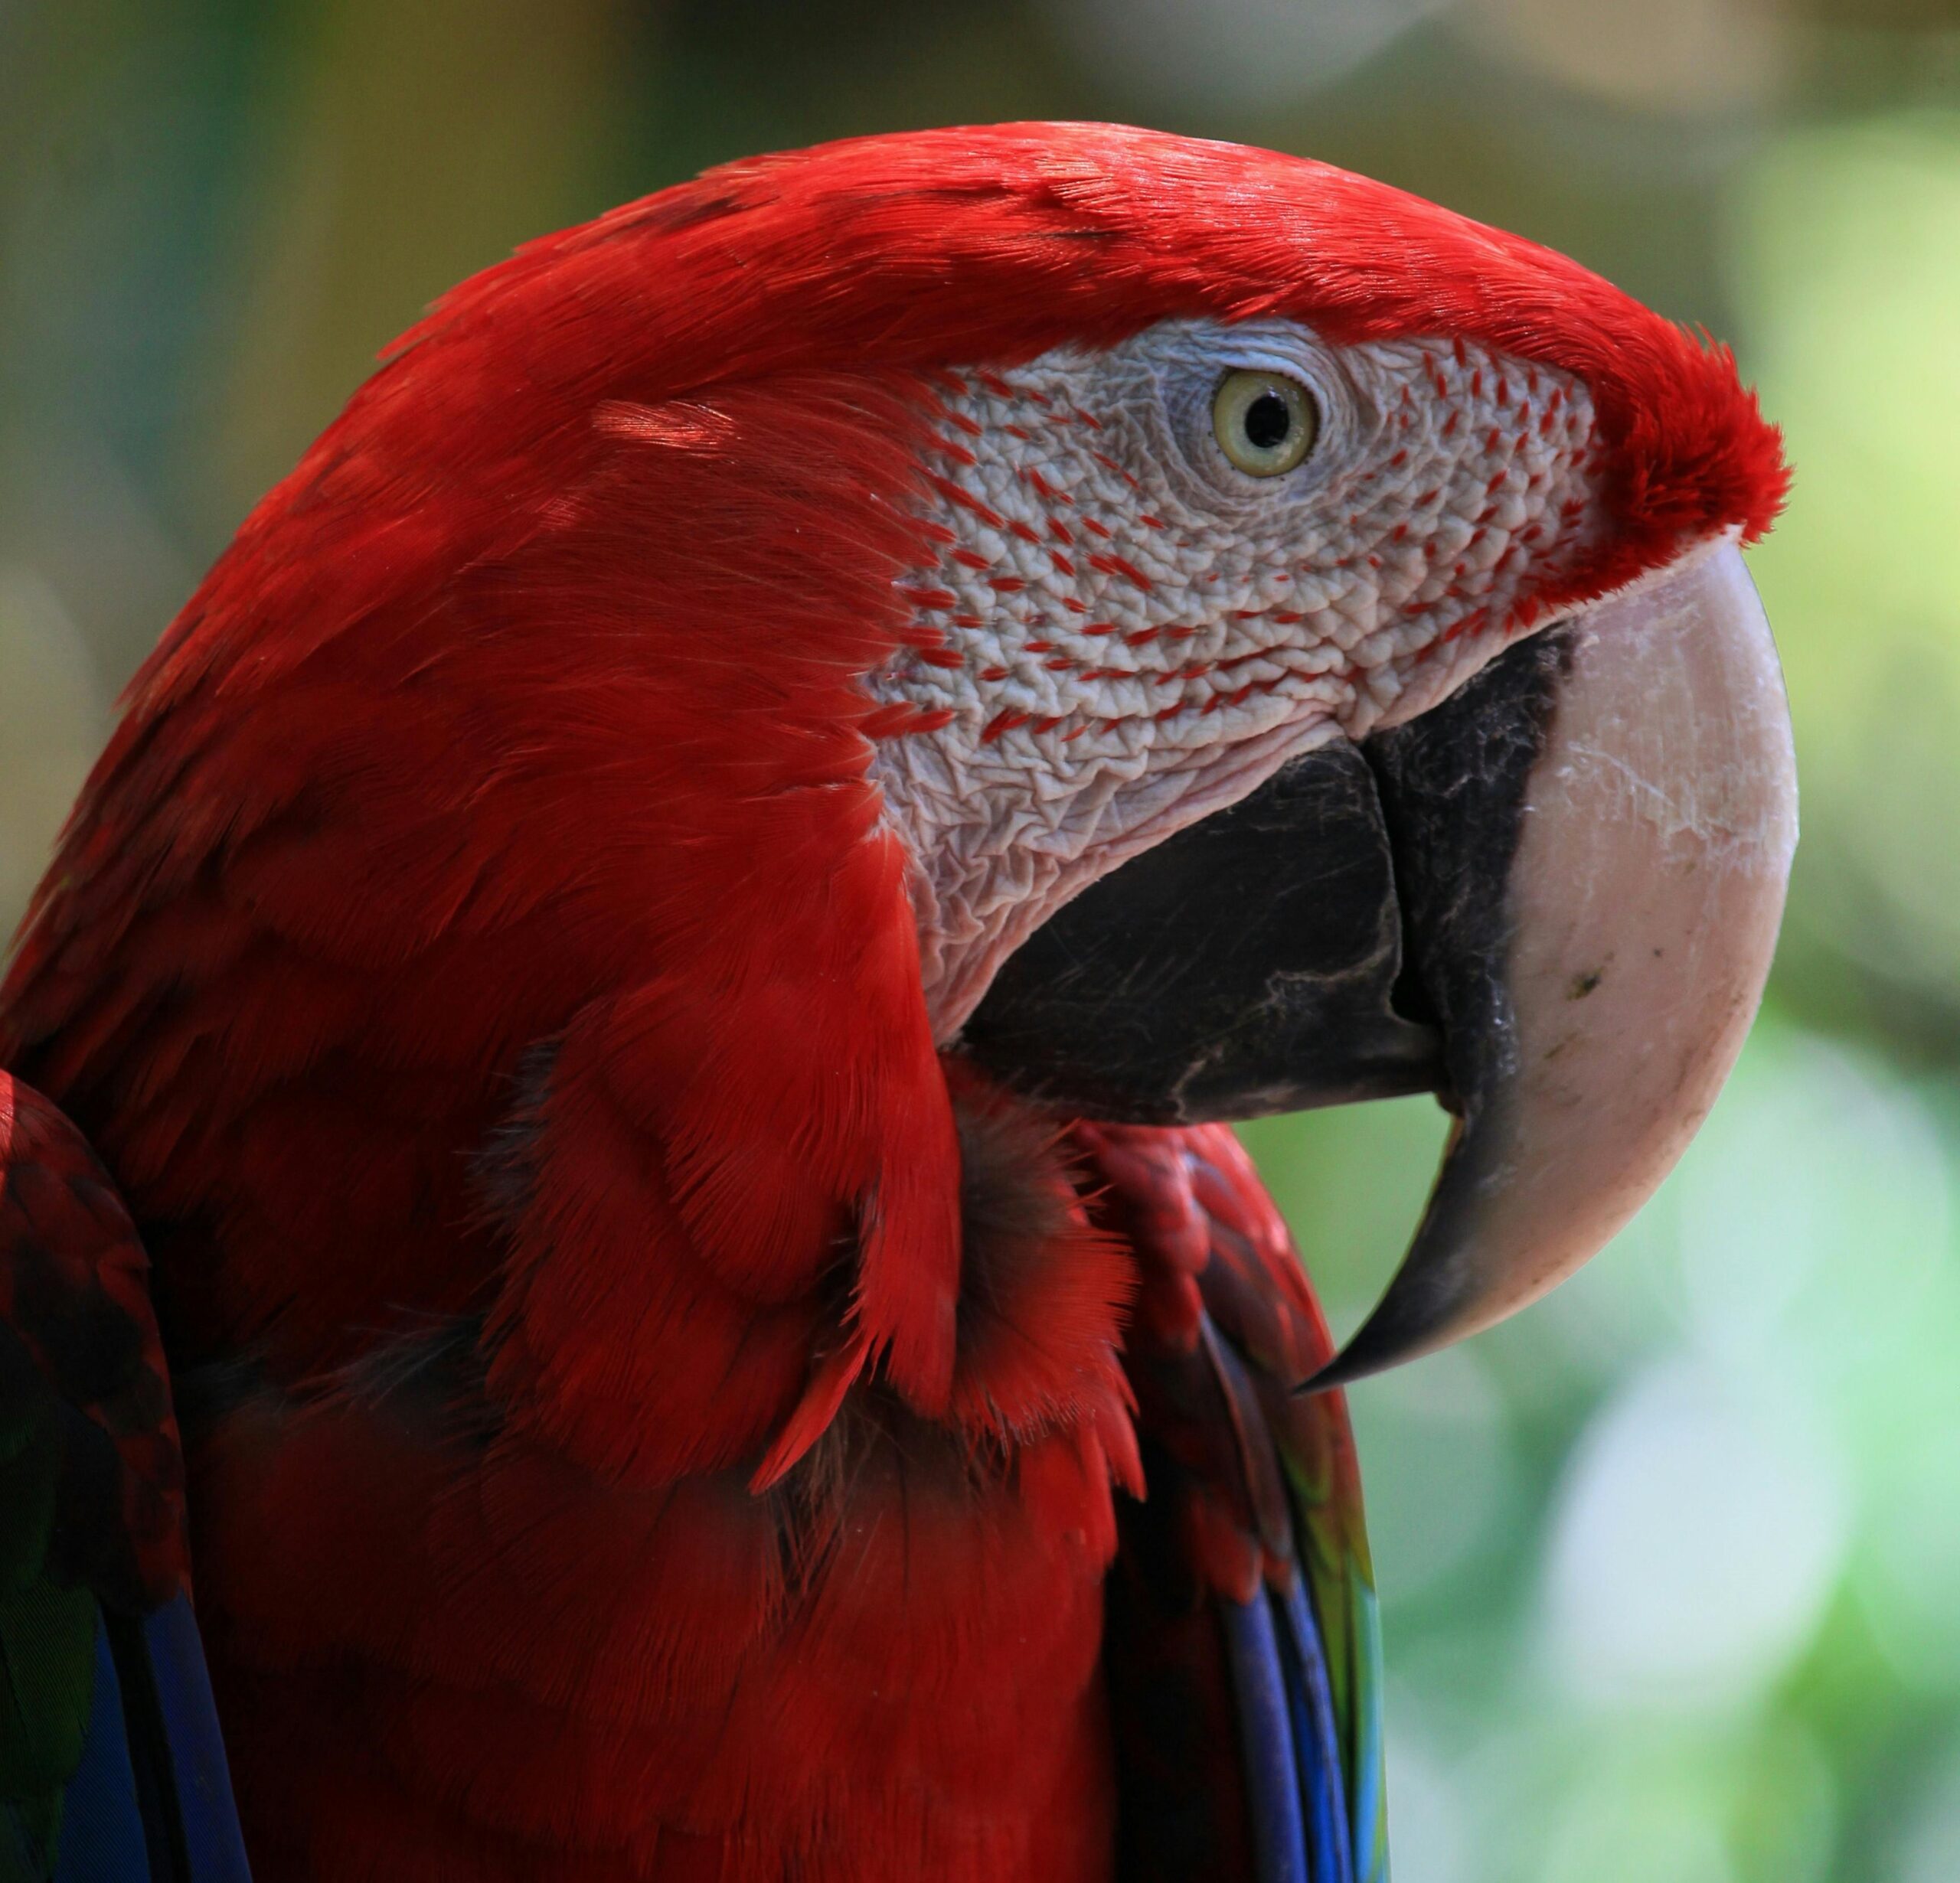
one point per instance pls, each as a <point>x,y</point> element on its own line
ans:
<point>1268,422</point>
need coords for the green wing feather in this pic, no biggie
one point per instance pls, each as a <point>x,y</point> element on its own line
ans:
<point>1227,1328</point>
<point>1317,1451</point>
<point>1257,1288</point>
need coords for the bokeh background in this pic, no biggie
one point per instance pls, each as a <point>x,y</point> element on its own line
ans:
<point>1670,1566</point>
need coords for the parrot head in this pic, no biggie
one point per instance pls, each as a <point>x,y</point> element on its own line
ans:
<point>1191,631</point>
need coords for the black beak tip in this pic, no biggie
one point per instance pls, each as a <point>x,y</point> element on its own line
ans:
<point>1355,1361</point>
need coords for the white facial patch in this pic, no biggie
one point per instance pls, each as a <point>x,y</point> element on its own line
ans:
<point>1124,631</point>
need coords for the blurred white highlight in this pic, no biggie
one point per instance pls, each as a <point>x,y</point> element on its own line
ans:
<point>1696,1540</point>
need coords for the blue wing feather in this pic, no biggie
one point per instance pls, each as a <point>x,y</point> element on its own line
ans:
<point>151,1800</point>
<point>101,1829</point>
<point>1271,1767</point>
<point>213,1850</point>
<point>1296,1790</point>
<point>1318,1745</point>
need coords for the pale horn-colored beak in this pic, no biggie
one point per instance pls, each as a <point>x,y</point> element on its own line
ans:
<point>1593,997</point>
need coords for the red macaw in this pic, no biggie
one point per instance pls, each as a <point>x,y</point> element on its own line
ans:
<point>658,957</point>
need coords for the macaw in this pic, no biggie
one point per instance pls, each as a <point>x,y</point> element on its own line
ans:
<point>661,961</point>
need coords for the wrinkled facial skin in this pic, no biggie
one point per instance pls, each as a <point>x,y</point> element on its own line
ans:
<point>1124,631</point>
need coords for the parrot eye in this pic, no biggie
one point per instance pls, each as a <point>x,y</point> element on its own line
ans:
<point>1265,423</point>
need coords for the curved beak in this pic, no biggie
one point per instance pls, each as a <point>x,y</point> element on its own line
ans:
<point>1552,900</point>
<point>1592,996</point>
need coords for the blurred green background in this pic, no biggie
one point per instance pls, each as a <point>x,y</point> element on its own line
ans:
<point>1670,1566</point>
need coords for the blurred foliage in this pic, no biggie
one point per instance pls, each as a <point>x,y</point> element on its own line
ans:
<point>1670,1566</point>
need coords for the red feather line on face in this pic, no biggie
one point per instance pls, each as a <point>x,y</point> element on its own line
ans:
<point>526,708</point>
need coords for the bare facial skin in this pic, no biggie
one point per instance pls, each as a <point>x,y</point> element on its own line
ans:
<point>1130,633</point>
